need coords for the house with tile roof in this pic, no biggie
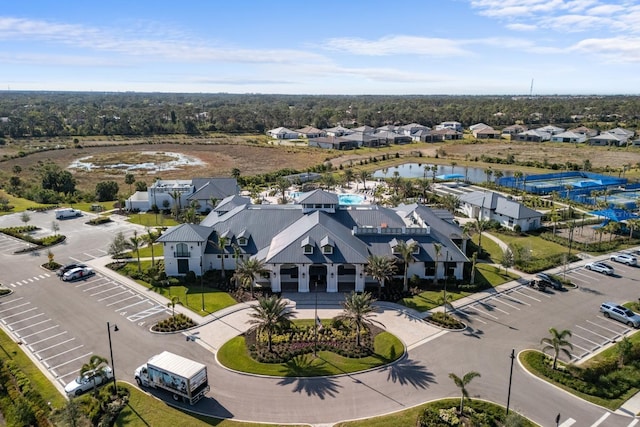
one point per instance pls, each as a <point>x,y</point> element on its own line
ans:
<point>487,205</point>
<point>510,131</point>
<point>569,136</point>
<point>532,135</point>
<point>310,132</point>
<point>283,133</point>
<point>317,241</point>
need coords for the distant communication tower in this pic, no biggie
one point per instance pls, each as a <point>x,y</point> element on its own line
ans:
<point>531,89</point>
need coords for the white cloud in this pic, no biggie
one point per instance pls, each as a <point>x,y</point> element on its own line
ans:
<point>616,49</point>
<point>396,45</point>
<point>522,27</point>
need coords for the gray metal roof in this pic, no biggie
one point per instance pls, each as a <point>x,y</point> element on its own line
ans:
<point>218,188</point>
<point>186,233</point>
<point>318,197</point>
<point>369,216</point>
<point>500,204</point>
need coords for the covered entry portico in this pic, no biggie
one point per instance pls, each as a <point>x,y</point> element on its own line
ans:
<point>326,277</point>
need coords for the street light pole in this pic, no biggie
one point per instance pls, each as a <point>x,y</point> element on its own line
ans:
<point>513,356</point>
<point>113,368</point>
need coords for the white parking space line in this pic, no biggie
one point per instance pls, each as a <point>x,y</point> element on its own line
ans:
<point>594,333</point>
<point>14,307</point>
<point>97,286</point>
<point>607,329</point>
<point>500,300</point>
<point>586,339</point>
<point>144,314</point>
<point>28,318</point>
<point>588,350</point>
<point>131,305</point>
<point>528,296</point>
<point>514,299</point>
<point>46,339</point>
<point>102,292</point>
<point>52,346</point>
<point>74,373</point>
<point>35,278</point>
<point>17,314</point>
<point>468,315</point>
<point>601,419</point>
<point>634,422</point>
<point>32,325</point>
<point>72,360</point>
<point>115,295</point>
<point>480,312</point>
<point>568,423</point>
<point>24,282</point>
<point>64,352</point>
<point>123,300</point>
<point>491,307</point>
<point>39,332</point>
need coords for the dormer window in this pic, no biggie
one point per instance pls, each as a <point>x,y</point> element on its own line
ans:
<point>327,245</point>
<point>307,245</point>
<point>242,241</point>
<point>394,246</point>
<point>416,246</point>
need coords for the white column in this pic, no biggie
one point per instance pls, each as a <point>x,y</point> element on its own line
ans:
<point>276,285</point>
<point>360,278</point>
<point>303,277</point>
<point>332,277</point>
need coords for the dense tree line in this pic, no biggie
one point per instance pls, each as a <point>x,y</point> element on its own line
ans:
<point>38,114</point>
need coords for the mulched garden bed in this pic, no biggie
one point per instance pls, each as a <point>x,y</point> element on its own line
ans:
<point>445,321</point>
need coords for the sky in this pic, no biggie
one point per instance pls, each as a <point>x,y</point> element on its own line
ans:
<point>351,47</point>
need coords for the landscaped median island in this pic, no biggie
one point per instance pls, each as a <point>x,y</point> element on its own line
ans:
<point>280,346</point>
<point>608,379</point>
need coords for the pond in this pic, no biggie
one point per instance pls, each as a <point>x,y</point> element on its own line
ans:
<point>443,172</point>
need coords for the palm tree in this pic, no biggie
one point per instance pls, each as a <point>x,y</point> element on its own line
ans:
<point>364,176</point>
<point>632,224</point>
<point>406,250</point>
<point>557,343</point>
<point>134,244</point>
<point>94,368</point>
<point>358,311</point>
<point>177,208</point>
<point>437,247</point>
<point>270,315</point>
<point>149,239</point>
<point>381,268</point>
<point>517,175</point>
<point>480,225</point>
<point>247,270</point>
<point>222,243</point>
<point>172,304</point>
<point>348,177</point>
<point>462,384</point>
<point>282,185</point>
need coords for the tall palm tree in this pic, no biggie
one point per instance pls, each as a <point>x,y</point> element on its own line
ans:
<point>94,368</point>
<point>177,208</point>
<point>462,384</point>
<point>221,244</point>
<point>406,250</point>
<point>558,343</point>
<point>134,244</point>
<point>437,247</point>
<point>270,315</point>
<point>632,224</point>
<point>381,268</point>
<point>364,176</point>
<point>150,238</point>
<point>480,225</point>
<point>247,270</point>
<point>348,177</point>
<point>358,312</point>
<point>517,175</point>
<point>282,185</point>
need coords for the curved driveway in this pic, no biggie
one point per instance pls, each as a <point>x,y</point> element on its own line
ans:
<point>514,319</point>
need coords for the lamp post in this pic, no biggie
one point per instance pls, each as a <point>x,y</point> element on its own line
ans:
<point>513,356</point>
<point>113,368</point>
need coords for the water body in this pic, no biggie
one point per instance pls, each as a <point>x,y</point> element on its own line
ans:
<point>180,161</point>
<point>417,170</point>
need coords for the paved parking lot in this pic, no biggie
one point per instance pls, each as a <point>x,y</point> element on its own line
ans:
<point>9,245</point>
<point>57,348</point>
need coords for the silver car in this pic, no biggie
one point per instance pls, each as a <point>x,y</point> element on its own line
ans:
<point>600,267</point>
<point>624,259</point>
<point>620,313</point>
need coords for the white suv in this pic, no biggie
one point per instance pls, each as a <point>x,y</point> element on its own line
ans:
<point>624,259</point>
<point>620,313</point>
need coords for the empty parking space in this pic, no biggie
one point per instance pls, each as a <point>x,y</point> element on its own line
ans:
<point>593,334</point>
<point>500,306</point>
<point>58,351</point>
<point>30,280</point>
<point>10,245</point>
<point>121,299</point>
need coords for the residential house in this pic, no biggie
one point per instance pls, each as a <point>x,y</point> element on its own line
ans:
<point>283,133</point>
<point>553,130</point>
<point>533,135</point>
<point>609,139</point>
<point>338,131</point>
<point>316,242</point>
<point>411,128</point>
<point>445,134</point>
<point>422,135</point>
<point>457,126</point>
<point>487,205</point>
<point>510,131</point>
<point>585,131</point>
<point>310,132</point>
<point>364,129</point>
<point>366,139</point>
<point>393,137</point>
<point>486,132</point>
<point>165,193</point>
<point>569,136</point>
<point>333,143</point>
<point>478,126</point>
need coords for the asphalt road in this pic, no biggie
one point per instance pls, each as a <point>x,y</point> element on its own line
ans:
<point>61,324</point>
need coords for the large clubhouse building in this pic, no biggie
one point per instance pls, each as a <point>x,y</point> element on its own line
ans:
<point>316,242</point>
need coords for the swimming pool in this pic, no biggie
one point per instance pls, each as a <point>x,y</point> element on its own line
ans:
<point>343,199</point>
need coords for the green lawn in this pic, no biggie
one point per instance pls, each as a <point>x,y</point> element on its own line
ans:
<point>18,204</point>
<point>494,275</point>
<point>145,252</point>
<point>540,248</point>
<point>489,246</point>
<point>234,355</point>
<point>152,220</point>
<point>430,299</point>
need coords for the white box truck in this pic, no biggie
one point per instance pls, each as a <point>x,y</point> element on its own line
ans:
<point>183,377</point>
<point>63,213</point>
